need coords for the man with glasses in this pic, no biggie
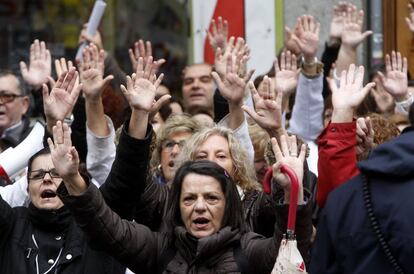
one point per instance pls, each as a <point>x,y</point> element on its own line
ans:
<point>14,104</point>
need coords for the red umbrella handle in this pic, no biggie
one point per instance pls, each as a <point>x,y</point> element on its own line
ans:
<point>293,203</point>
<point>267,180</point>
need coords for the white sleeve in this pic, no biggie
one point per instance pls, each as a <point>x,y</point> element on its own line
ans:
<point>242,135</point>
<point>307,112</point>
<point>101,154</point>
<point>404,106</point>
<point>16,194</point>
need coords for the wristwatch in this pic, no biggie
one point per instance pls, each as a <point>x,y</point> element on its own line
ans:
<point>69,120</point>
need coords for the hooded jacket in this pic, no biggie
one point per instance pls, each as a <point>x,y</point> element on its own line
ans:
<point>345,241</point>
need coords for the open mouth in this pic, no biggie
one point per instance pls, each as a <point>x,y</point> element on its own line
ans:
<point>201,222</point>
<point>171,163</point>
<point>197,95</point>
<point>47,194</point>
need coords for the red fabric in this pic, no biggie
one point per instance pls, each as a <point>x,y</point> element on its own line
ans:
<point>233,12</point>
<point>294,189</point>
<point>267,188</point>
<point>4,175</point>
<point>337,161</point>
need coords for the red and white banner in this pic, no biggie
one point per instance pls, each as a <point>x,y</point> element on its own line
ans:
<point>252,19</point>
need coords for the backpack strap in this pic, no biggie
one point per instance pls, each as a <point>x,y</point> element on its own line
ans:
<point>376,227</point>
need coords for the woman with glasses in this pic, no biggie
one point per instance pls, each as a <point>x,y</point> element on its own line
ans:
<point>43,237</point>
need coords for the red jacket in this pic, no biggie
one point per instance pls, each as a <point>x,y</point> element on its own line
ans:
<point>337,158</point>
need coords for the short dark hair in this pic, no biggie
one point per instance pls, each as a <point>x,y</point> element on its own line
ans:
<point>411,116</point>
<point>233,213</point>
<point>21,86</point>
<point>41,152</point>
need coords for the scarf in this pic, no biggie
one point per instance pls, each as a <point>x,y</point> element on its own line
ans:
<point>51,220</point>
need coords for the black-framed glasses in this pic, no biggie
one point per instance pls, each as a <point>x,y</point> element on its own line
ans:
<point>39,174</point>
<point>8,97</point>
<point>170,144</point>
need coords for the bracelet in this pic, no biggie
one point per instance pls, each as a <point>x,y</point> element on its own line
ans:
<point>311,64</point>
<point>69,120</point>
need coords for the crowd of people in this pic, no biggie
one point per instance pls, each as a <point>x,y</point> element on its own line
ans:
<point>176,185</point>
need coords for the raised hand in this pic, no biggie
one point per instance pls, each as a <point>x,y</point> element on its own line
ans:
<point>352,34</point>
<point>384,100</point>
<point>141,87</point>
<point>410,20</point>
<point>337,22</point>
<point>144,51</point>
<point>268,109</point>
<point>286,76</point>
<point>395,80</point>
<point>290,44</point>
<point>232,86</point>
<point>307,36</point>
<point>219,34</point>
<point>287,154</point>
<point>62,66</point>
<point>64,156</point>
<point>240,54</point>
<point>91,73</point>
<point>61,100</point>
<point>350,93</point>
<point>365,137</point>
<point>40,66</point>
<point>140,94</point>
<point>65,159</point>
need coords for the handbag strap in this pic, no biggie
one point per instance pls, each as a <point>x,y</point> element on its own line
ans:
<point>366,194</point>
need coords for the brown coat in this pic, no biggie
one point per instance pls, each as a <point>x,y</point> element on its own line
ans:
<point>144,251</point>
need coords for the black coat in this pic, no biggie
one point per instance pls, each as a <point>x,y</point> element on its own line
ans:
<point>345,241</point>
<point>18,251</point>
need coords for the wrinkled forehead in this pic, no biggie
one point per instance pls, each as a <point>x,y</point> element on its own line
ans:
<point>43,161</point>
<point>9,83</point>
<point>197,71</point>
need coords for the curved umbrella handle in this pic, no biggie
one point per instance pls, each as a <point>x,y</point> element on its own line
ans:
<point>293,202</point>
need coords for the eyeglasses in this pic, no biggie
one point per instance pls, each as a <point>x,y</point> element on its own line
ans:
<point>170,144</point>
<point>39,174</point>
<point>8,97</point>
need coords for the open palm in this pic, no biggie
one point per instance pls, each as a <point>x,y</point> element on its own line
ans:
<point>40,66</point>
<point>142,85</point>
<point>351,91</point>
<point>395,81</point>
<point>286,80</point>
<point>268,112</point>
<point>62,98</point>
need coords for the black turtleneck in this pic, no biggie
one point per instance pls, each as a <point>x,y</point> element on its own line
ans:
<point>49,235</point>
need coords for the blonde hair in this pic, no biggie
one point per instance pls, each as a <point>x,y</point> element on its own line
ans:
<point>259,138</point>
<point>244,173</point>
<point>174,124</point>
